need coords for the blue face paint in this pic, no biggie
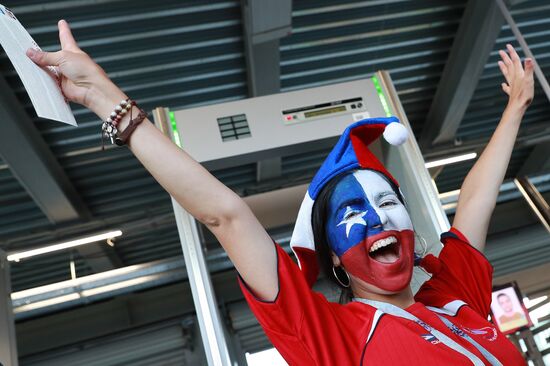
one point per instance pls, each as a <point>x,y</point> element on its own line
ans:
<point>351,216</point>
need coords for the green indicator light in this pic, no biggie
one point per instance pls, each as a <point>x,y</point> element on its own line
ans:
<point>381,96</point>
<point>175,128</point>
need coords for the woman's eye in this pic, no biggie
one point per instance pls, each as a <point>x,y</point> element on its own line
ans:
<point>388,203</point>
<point>350,214</point>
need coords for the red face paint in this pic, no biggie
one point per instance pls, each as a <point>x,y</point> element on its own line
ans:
<point>390,268</point>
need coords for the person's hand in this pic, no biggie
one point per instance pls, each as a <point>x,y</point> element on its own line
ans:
<point>82,80</point>
<point>519,85</point>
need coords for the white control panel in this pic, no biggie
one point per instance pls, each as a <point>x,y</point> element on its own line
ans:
<point>324,110</point>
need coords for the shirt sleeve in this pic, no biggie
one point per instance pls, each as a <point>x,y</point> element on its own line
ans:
<point>465,275</point>
<point>298,320</point>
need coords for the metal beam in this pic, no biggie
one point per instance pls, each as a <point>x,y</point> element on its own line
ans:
<point>265,22</point>
<point>531,136</point>
<point>538,161</point>
<point>263,67</point>
<point>474,40</point>
<point>32,162</point>
<point>100,257</point>
<point>211,327</point>
<point>535,200</point>
<point>8,347</point>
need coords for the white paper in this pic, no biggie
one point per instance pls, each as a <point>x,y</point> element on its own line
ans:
<point>43,88</point>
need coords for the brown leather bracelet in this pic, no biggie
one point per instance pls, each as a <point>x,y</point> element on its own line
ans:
<point>123,137</point>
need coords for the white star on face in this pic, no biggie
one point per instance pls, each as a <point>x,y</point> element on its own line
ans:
<point>356,218</point>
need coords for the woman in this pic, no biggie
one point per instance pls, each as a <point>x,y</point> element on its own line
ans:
<point>359,204</point>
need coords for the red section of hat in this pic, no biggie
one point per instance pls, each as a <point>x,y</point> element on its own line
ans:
<point>361,137</point>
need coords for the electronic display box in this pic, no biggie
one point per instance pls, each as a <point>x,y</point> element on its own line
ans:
<point>248,130</point>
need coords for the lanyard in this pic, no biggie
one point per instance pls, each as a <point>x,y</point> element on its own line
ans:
<point>447,341</point>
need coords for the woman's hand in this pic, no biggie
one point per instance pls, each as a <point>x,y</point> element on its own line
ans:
<point>519,85</point>
<point>82,80</point>
<point>479,192</point>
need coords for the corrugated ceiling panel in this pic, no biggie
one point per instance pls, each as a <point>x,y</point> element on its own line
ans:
<point>46,269</point>
<point>453,175</point>
<point>511,252</point>
<point>18,211</point>
<point>161,53</point>
<point>488,102</point>
<point>153,345</point>
<point>157,243</point>
<point>165,53</point>
<point>332,43</point>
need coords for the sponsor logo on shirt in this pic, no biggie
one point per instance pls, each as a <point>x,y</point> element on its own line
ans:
<point>456,330</point>
<point>430,338</point>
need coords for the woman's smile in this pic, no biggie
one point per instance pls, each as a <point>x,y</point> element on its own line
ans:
<point>385,250</point>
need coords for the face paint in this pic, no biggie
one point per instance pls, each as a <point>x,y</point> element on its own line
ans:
<point>370,230</point>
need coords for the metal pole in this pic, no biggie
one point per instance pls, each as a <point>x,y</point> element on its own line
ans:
<point>535,200</point>
<point>515,340</point>
<point>210,324</point>
<point>8,347</point>
<point>211,327</point>
<point>517,33</point>
<point>533,352</point>
<point>407,165</point>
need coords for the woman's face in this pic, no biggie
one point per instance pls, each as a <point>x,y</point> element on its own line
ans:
<point>369,229</point>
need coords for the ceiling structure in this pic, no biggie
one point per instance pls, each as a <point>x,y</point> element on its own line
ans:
<point>57,184</point>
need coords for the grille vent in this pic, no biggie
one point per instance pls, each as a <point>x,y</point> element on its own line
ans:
<point>233,127</point>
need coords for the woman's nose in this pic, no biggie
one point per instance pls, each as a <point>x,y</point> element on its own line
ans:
<point>383,218</point>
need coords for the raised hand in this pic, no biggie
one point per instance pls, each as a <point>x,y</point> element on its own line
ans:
<point>519,85</point>
<point>82,80</point>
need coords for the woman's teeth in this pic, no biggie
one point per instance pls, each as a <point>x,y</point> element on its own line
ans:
<point>382,243</point>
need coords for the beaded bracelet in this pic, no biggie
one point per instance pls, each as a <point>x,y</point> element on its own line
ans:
<point>109,127</point>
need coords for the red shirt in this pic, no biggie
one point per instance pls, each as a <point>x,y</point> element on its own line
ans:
<point>307,329</point>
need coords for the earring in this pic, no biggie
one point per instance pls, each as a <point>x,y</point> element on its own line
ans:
<point>422,243</point>
<point>338,278</point>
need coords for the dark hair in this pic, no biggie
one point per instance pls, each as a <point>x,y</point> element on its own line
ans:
<point>502,294</point>
<point>318,223</point>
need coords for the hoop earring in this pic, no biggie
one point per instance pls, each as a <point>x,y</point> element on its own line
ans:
<point>422,243</point>
<point>338,278</point>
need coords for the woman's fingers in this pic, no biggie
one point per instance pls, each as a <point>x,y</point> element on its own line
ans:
<point>529,68</point>
<point>66,37</point>
<point>516,61</point>
<point>504,70</point>
<point>506,88</point>
<point>504,56</point>
<point>45,58</point>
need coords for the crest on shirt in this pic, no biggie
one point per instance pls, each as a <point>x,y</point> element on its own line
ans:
<point>488,333</point>
<point>431,338</point>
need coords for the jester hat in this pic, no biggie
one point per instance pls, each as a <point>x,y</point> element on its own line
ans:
<point>351,152</point>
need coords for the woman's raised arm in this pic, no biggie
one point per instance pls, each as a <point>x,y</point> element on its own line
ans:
<point>246,242</point>
<point>479,191</point>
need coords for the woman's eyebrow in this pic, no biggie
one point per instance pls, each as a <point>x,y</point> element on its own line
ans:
<point>384,194</point>
<point>349,202</point>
